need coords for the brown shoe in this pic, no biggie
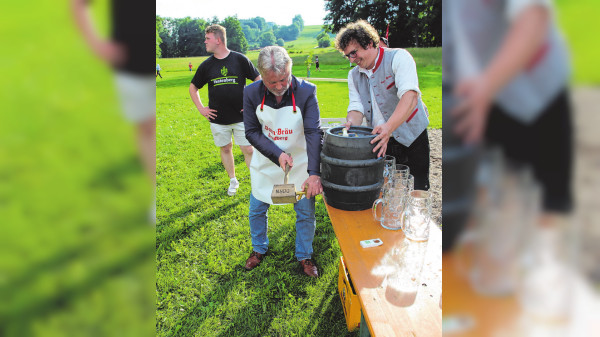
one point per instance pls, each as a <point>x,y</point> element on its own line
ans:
<point>309,268</point>
<point>254,260</point>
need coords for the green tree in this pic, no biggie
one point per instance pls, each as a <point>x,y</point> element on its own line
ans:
<point>267,39</point>
<point>298,21</point>
<point>167,32</point>
<point>308,62</point>
<point>190,39</point>
<point>280,42</point>
<point>236,40</point>
<point>158,39</point>
<point>261,24</point>
<point>411,22</point>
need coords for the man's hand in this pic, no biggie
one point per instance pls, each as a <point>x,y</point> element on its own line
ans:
<point>354,117</point>
<point>208,113</point>
<point>312,186</point>
<point>475,99</point>
<point>113,53</point>
<point>285,158</point>
<point>384,132</point>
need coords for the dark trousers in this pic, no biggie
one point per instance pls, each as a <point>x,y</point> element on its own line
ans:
<point>415,156</point>
<point>546,146</point>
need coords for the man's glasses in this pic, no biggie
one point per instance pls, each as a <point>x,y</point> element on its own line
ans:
<point>351,54</point>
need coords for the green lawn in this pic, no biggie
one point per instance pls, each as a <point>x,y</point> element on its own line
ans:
<point>577,20</point>
<point>76,250</point>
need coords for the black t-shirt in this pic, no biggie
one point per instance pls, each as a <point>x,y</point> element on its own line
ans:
<point>133,25</point>
<point>226,80</point>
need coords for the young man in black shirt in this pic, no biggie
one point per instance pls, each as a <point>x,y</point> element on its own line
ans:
<point>225,72</point>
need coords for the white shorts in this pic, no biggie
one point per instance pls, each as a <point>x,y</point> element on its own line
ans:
<point>222,134</point>
<point>137,94</point>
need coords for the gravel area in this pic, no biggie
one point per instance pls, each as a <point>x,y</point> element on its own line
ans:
<point>435,172</point>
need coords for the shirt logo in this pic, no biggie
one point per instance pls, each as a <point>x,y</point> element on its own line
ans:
<point>224,71</point>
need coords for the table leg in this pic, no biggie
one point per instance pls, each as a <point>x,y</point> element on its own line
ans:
<point>364,328</point>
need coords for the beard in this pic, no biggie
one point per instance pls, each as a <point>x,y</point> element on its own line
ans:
<point>279,93</point>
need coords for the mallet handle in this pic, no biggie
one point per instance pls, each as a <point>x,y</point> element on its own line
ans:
<point>287,171</point>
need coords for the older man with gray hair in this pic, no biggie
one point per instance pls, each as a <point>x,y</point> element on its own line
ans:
<point>282,122</point>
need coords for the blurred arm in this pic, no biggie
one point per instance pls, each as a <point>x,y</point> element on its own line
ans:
<point>109,51</point>
<point>523,39</point>
<point>526,35</point>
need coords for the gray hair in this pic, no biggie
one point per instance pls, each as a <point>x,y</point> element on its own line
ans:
<point>275,59</point>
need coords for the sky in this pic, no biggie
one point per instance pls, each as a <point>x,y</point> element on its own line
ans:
<point>279,11</point>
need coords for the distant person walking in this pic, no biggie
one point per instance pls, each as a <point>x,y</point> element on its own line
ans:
<point>190,65</point>
<point>158,71</point>
<point>225,72</point>
<point>317,63</point>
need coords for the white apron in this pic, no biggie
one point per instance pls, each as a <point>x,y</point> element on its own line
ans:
<point>285,128</point>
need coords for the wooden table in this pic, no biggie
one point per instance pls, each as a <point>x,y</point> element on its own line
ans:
<point>385,312</point>
<point>490,315</point>
<point>503,315</point>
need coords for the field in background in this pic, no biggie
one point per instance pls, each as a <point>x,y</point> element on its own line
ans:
<point>332,96</point>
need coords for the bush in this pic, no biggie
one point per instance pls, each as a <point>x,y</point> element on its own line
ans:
<point>280,42</point>
<point>324,42</point>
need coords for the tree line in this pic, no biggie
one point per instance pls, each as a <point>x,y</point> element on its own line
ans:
<point>184,37</point>
<point>412,23</point>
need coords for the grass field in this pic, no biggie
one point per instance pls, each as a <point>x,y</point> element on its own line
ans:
<point>203,234</point>
<point>576,19</point>
<point>76,250</point>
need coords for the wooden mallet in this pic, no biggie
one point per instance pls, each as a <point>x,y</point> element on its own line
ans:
<point>285,193</point>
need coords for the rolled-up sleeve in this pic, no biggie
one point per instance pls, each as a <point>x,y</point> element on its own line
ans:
<point>355,102</point>
<point>405,71</point>
<point>253,127</point>
<point>515,7</point>
<point>312,133</point>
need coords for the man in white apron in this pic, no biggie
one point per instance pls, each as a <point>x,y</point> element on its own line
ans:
<point>282,122</point>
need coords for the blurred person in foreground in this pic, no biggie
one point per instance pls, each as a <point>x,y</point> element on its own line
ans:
<point>126,52</point>
<point>510,73</point>
<point>225,72</point>
<point>384,88</point>
<point>282,120</point>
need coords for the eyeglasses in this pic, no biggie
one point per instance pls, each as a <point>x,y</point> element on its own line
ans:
<point>351,54</point>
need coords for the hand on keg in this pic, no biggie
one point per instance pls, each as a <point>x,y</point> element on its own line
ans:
<point>475,98</point>
<point>384,132</point>
<point>285,158</point>
<point>354,117</point>
<point>208,113</point>
<point>312,186</point>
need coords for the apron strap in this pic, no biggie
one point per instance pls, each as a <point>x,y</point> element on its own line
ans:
<point>262,104</point>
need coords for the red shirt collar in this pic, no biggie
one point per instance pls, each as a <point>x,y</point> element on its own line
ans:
<point>379,59</point>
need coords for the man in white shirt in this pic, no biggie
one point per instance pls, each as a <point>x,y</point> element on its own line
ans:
<point>384,89</point>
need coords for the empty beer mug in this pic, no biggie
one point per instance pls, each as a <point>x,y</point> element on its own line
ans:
<point>417,216</point>
<point>391,212</point>
<point>389,165</point>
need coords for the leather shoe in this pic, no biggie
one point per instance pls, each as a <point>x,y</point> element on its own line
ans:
<point>254,260</point>
<point>309,268</point>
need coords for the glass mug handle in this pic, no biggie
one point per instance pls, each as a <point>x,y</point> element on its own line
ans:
<point>374,209</point>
